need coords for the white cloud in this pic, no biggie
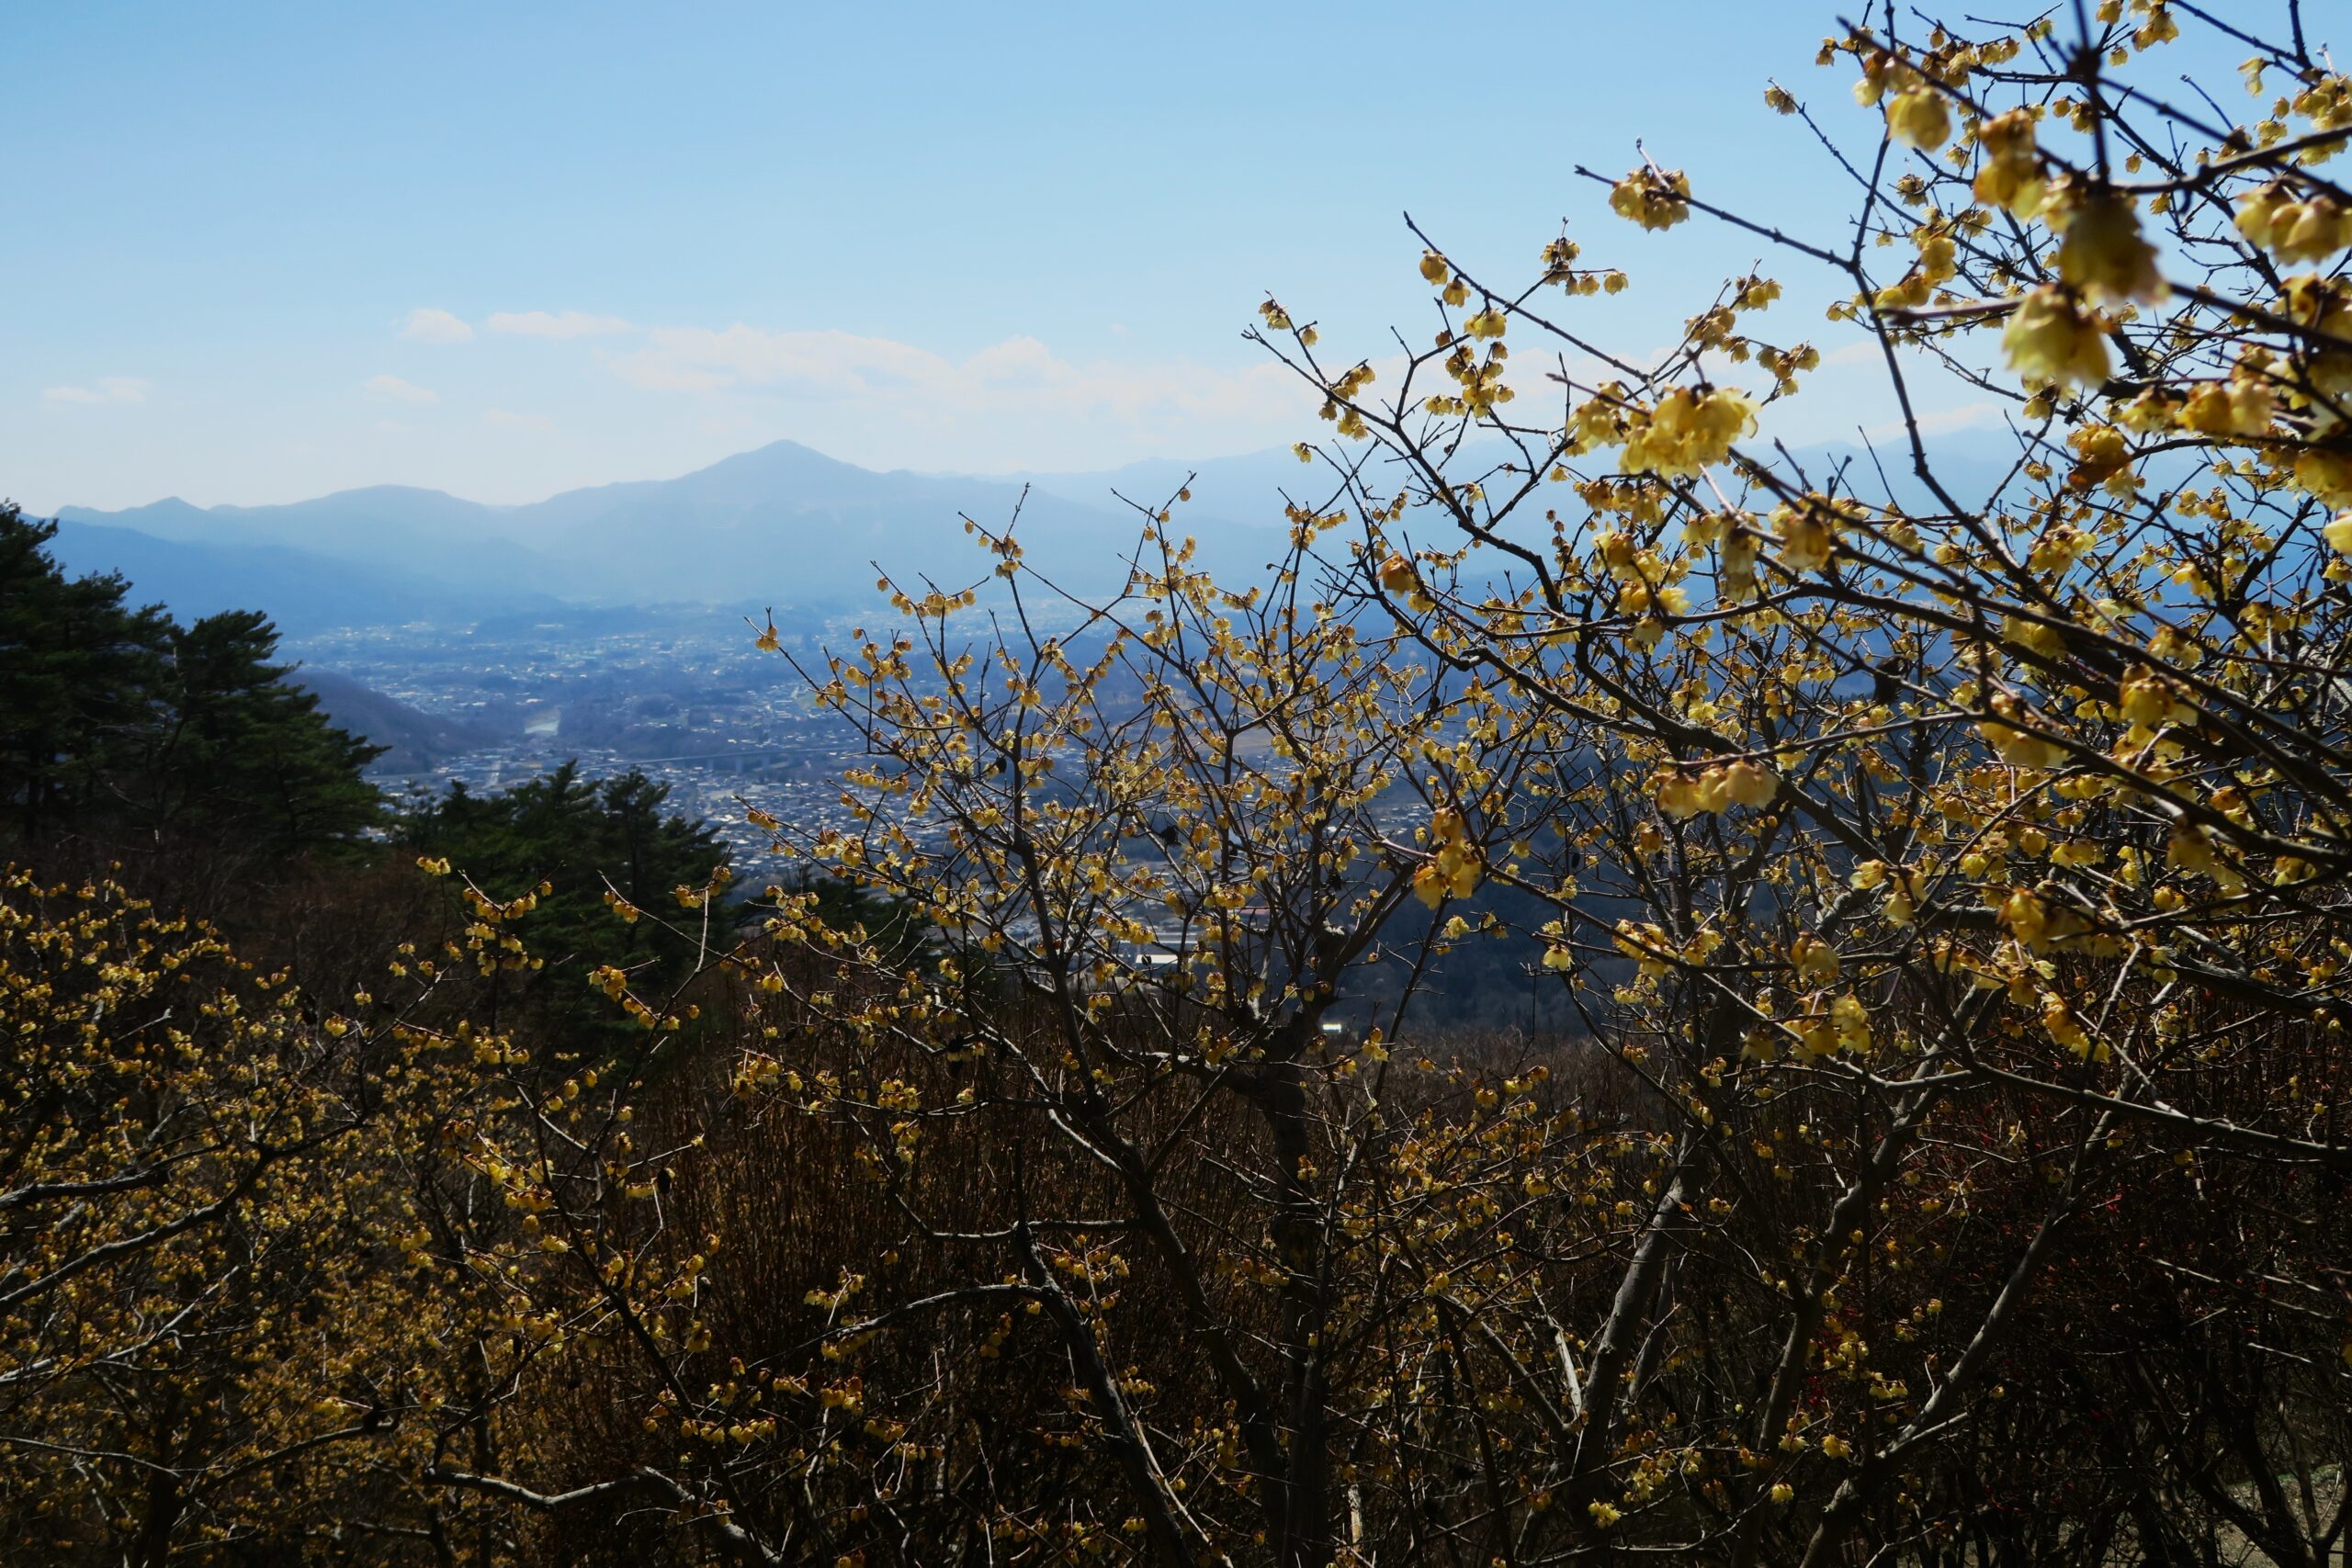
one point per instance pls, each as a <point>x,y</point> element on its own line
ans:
<point>1015,404</point>
<point>427,324</point>
<point>107,390</point>
<point>507,419</point>
<point>399,392</point>
<point>560,325</point>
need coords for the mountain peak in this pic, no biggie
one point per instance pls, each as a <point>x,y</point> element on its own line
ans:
<point>777,459</point>
<point>169,507</point>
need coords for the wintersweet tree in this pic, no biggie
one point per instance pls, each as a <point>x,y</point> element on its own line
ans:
<point>1947,866</point>
<point>1102,1129</point>
<point>212,1341</point>
<point>1996,830</point>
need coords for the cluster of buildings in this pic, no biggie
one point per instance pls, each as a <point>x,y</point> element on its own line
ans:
<point>681,695</point>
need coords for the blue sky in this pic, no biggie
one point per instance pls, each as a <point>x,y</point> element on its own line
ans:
<point>262,251</point>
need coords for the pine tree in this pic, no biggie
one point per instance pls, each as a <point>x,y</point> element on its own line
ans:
<point>244,752</point>
<point>119,722</point>
<point>79,673</point>
<point>579,839</point>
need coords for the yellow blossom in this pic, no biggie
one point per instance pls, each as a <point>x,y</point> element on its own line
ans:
<point>1920,118</point>
<point>1687,431</point>
<point>1652,199</point>
<point>2104,254</point>
<point>2010,177</point>
<point>2052,338</point>
<point>1806,535</point>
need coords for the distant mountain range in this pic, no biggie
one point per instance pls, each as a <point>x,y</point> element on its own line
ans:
<point>304,590</point>
<point>782,525</point>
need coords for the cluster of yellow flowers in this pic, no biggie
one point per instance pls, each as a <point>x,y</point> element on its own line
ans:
<point>1651,198</point>
<point>1715,789</point>
<point>2010,177</point>
<point>2239,406</point>
<point>2102,252</point>
<point>2053,337</point>
<point>1843,1026</point>
<point>2149,702</point>
<point>2307,231</point>
<point>2059,1021</point>
<point>2103,459</point>
<point>1736,544</point>
<point>1919,117</point>
<point>1398,576</point>
<point>1647,582</point>
<point>1906,887</point>
<point>1807,533</point>
<point>1686,431</point>
<point>2017,747</point>
<point>1453,867</point>
<point>1939,264</point>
